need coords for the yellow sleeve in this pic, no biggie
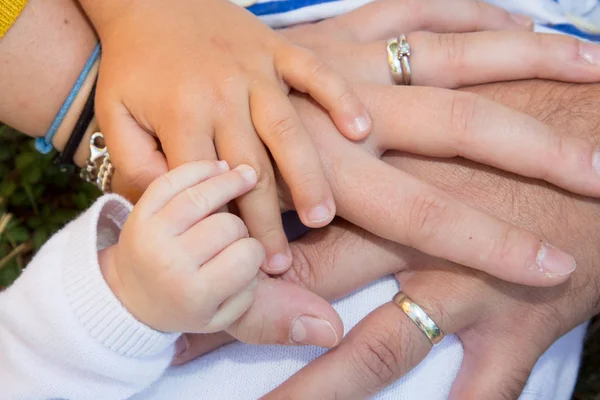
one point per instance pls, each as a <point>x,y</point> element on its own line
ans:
<point>9,12</point>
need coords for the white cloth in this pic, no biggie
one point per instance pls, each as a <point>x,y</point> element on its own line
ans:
<point>63,335</point>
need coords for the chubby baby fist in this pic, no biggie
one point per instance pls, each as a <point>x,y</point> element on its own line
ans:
<point>180,264</point>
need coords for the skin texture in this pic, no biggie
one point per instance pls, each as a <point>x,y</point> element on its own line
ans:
<point>212,82</point>
<point>206,288</point>
<point>480,309</point>
<point>317,273</point>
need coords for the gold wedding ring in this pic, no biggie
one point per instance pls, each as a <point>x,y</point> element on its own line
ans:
<point>398,51</point>
<point>419,317</point>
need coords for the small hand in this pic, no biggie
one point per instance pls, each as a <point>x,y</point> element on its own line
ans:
<point>209,80</point>
<point>181,266</point>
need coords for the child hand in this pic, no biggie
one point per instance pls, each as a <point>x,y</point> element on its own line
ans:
<point>179,266</point>
<point>208,79</point>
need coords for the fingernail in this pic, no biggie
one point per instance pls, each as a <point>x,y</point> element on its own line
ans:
<point>223,166</point>
<point>314,331</point>
<point>590,52</point>
<point>360,125</point>
<point>319,214</point>
<point>279,262</point>
<point>247,172</point>
<point>554,262</point>
<point>522,20</point>
<point>181,347</point>
<point>596,161</point>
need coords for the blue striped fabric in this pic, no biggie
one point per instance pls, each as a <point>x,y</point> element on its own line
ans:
<point>283,6</point>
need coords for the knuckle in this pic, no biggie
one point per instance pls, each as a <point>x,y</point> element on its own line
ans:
<point>309,180</point>
<point>506,245</point>
<point>265,179</point>
<point>164,183</point>
<point>377,358</point>
<point>463,111</point>
<point>250,254</point>
<point>302,272</point>
<point>197,198</point>
<point>235,224</point>
<point>283,129</point>
<point>427,213</point>
<point>454,47</point>
<point>559,150</point>
<point>315,66</point>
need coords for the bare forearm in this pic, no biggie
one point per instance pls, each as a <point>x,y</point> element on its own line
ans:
<point>41,56</point>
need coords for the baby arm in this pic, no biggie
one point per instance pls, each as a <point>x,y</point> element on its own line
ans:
<point>65,334</point>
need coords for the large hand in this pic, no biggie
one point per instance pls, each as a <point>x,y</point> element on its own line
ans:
<point>347,27</point>
<point>504,328</point>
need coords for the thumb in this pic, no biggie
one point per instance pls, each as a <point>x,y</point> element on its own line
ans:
<point>134,152</point>
<point>193,345</point>
<point>285,313</point>
<point>496,371</point>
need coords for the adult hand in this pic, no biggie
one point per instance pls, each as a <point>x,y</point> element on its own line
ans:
<point>347,27</point>
<point>504,328</point>
<point>451,124</point>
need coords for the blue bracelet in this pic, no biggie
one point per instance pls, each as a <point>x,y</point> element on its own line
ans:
<point>44,144</point>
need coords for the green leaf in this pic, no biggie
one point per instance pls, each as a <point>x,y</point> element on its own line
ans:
<point>18,233</point>
<point>40,237</point>
<point>7,188</point>
<point>80,200</point>
<point>32,175</point>
<point>25,159</point>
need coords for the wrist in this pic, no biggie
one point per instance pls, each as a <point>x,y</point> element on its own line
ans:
<point>65,130</point>
<point>108,268</point>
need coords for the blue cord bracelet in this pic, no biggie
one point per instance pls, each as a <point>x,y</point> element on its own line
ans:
<point>44,144</point>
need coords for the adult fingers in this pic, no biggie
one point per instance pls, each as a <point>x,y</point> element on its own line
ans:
<point>285,313</point>
<point>384,346</point>
<point>331,261</point>
<point>455,60</point>
<point>481,57</point>
<point>494,371</point>
<point>192,345</point>
<point>237,142</point>
<point>294,152</point>
<point>195,203</point>
<point>307,73</point>
<point>134,152</point>
<point>401,208</point>
<point>388,18</point>
<point>451,124</point>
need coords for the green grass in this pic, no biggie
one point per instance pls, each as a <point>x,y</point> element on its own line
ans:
<point>36,199</point>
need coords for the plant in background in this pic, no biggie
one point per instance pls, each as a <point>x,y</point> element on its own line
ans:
<point>36,199</point>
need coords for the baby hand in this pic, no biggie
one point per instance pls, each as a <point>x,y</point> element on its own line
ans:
<point>181,266</point>
<point>206,78</point>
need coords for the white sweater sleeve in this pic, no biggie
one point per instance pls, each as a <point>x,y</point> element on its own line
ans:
<point>63,334</point>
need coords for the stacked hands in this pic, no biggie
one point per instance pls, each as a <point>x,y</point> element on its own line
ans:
<point>184,265</point>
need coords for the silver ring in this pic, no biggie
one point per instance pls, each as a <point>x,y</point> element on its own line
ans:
<point>398,51</point>
<point>419,317</point>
